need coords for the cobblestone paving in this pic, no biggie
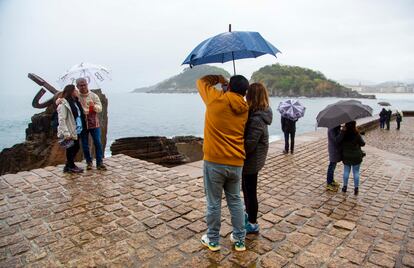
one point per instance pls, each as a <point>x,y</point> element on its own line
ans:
<point>138,214</point>
<point>393,140</point>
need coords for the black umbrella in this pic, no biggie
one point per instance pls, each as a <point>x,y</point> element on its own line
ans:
<point>342,112</point>
<point>384,103</point>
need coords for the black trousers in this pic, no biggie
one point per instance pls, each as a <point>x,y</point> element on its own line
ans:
<point>249,186</point>
<point>398,124</point>
<point>388,124</point>
<point>71,153</point>
<point>292,141</point>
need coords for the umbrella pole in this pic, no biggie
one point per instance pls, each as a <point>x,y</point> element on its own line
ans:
<point>232,55</point>
<point>234,65</point>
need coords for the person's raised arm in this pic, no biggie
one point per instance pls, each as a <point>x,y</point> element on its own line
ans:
<point>97,107</point>
<point>361,140</point>
<point>205,86</point>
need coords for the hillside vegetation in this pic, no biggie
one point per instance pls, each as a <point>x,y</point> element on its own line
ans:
<point>284,80</point>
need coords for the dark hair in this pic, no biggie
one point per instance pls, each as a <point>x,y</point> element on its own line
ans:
<point>67,91</point>
<point>350,130</point>
<point>239,84</point>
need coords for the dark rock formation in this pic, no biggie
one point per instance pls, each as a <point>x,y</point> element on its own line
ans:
<point>41,148</point>
<point>161,150</point>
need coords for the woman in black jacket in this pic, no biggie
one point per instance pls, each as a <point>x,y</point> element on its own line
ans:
<point>256,145</point>
<point>351,154</point>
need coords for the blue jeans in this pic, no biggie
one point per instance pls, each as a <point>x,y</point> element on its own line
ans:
<point>218,177</point>
<point>96,137</point>
<point>355,171</point>
<point>330,173</point>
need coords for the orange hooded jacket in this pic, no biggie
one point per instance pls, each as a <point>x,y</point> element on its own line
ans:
<point>225,120</point>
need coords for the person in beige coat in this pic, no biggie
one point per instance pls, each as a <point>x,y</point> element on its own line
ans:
<point>71,122</point>
<point>91,105</point>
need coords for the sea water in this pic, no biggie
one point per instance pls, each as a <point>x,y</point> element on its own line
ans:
<point>143,114</point>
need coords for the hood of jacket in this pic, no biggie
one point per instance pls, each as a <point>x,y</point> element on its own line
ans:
<point>265,115</point>
<point>237,102</point>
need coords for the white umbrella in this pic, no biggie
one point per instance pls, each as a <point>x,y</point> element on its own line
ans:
<point>94,74</point>
<point>291,109</point>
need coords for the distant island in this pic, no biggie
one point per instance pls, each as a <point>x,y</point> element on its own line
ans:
<point>385,87</point>
<point>294,81</point>
<point>183,82</point>
<point>281,80</point>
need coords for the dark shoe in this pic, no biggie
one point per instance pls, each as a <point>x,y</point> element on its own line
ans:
<point>344,189</point>
<point>252,228</point>
<point>291,151</point>
<point>356,191</point>
<point>101,167</point>
<point>66,170</point>
<point>88,165</point>
<point>285,152</point>
<point>76,170</point>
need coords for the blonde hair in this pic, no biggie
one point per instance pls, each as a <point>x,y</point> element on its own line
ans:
<point>257,97</point>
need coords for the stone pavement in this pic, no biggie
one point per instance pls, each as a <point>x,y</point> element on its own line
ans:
<point>139,214</point>
<point>393,140</point>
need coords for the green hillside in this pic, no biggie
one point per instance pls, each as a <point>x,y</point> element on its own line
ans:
<point>185,81</point>
<point>284,80</point>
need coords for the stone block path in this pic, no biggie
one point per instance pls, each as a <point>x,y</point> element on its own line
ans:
<point>139,214</point>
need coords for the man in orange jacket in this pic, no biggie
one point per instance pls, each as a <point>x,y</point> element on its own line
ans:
<point>225,120</point>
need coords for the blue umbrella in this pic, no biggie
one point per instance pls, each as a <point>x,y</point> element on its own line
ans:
<point>230,46</point>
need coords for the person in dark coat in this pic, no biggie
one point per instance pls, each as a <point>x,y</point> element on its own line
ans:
<point>388,119</point>
<point>398,119</point>
<point>335,137</point>
<point>289,129</point>
<point>351,154</point>
<point>256,145</point>
<point>383,118</point>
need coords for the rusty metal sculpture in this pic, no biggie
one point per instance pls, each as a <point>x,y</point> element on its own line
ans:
<point>45,86</point>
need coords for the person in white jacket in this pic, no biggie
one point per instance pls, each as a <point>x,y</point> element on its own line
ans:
<point>71,122</point>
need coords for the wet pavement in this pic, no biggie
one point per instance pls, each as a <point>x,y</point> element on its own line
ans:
<point>393,140</point>
<point>139,214</point>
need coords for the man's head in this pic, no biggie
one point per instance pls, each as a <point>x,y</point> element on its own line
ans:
<point>239,84</point>
<point>82,85</point>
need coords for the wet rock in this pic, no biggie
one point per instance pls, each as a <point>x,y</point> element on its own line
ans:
<point>161,150</point>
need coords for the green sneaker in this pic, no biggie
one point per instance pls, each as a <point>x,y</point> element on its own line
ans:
<point>331,187</point>
<point>213,246</point>
<point>334,183</point>
<point>238,244</point>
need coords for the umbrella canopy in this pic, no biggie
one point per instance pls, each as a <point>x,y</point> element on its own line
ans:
<point>342,112</point>
<point>230,46</point>
<point>384,103</point>
<point>291,109</point>
<point>94,74</point>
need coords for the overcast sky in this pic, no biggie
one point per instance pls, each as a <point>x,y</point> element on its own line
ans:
<point>143,42</point>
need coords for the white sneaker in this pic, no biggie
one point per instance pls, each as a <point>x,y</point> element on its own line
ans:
<point>238,244</point>
<point>211,245</point>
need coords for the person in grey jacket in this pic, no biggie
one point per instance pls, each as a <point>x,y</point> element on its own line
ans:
<point>335,137</point>
<point>71,123</point>
<point>256,145</point>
